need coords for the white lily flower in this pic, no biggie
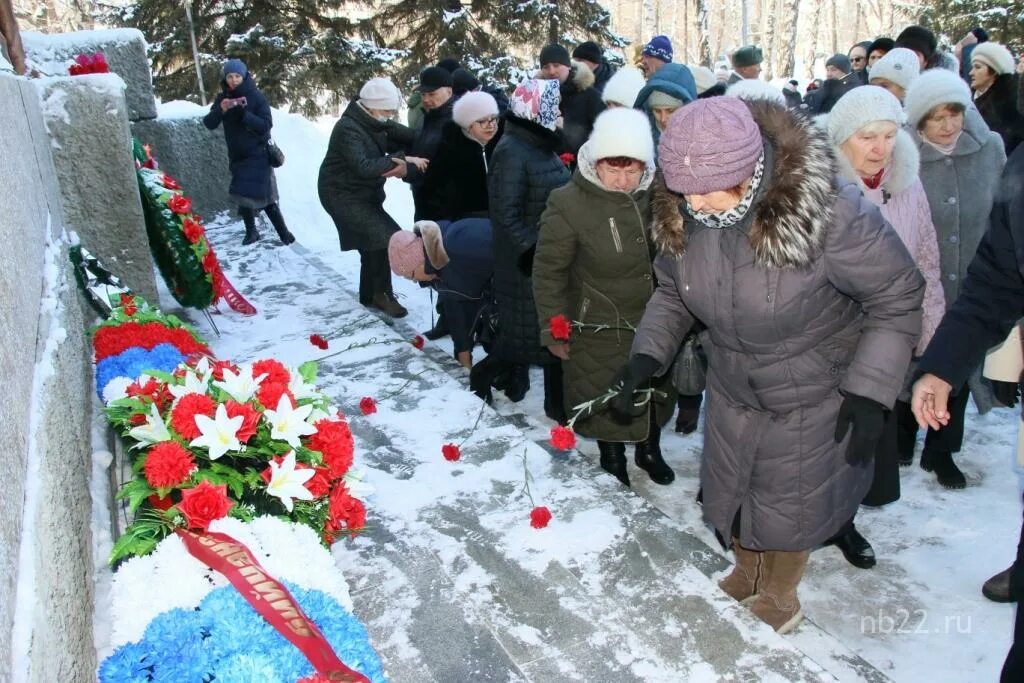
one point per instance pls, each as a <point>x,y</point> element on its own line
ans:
<point>194,384</point>
<point>203,368</point>
<point>241,386</point>
<point>299,387</point>
<point>358,488</point>
<point>219,434</point>
<point>153,431</point>
<point>288,483</point>
<point>317,415</point>
<point>289,423</point>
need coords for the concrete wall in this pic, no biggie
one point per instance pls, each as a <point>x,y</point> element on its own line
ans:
<point>49,605</point>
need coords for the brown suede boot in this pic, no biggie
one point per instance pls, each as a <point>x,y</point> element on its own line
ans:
<point>777,604</point>
<point>742,584</point>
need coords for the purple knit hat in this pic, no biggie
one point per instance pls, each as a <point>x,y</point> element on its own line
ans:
<point>709,145</point>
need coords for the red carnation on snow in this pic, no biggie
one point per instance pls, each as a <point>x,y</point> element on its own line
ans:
<point>333,439</point>
<point>203,504</point>
<point>167,465</point>
<point>318,341</point>
<point>539,517</point>
<point>561,328</point>
<point>274,370</point>
<point>451,452</point>
<point>183,416</point>
<point>418,341</point>
<point>563,438</point>
<point>250,418</point>
<point>269,393</point>
<point>367,405</point>
<point>193,229</point>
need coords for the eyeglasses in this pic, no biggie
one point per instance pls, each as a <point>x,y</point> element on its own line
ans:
<point>858,59</point>
<point>487,122</point>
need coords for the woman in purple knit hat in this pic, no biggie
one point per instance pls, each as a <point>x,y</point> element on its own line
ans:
<point>812,307</point>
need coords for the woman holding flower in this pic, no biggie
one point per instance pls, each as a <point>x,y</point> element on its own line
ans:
<point>593,268</point>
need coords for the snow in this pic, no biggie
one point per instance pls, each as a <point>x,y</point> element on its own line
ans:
<point>50,53</point>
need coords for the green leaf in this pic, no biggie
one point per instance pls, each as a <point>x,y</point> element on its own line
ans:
<point>308,371</point>
<point>136,491</point>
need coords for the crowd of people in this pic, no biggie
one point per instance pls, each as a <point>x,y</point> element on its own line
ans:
<point>788,262</point>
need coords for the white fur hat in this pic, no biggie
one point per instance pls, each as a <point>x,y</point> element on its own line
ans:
<point>994,56</point>
<point>622,132</point>
<point>624,85</point>
<point>858,108</point>
<point>473,106</point>
<point>703,77</point>
<point>899,65</point>
<point>933,88</point>
<point>380,93</point>
<point>752,90</point>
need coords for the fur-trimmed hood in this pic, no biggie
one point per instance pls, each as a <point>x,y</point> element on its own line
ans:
<point>906,165</point>
<point>580,78</point>
<point>792,209</point>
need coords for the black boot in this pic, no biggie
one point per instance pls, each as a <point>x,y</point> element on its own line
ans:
<point>277,220</point>
<point>481,378</point>
<point>249,218</point>
<point>855,548</point>
<point>613,460</point>
<point>941,462</point>
<point>440,328</point>
<point>518,383</point>
<point>997,588</point>
<point>689,413</point>
<point>554,397</point>
<point>648,457</point>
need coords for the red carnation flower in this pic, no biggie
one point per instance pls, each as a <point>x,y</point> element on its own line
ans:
<point>269,394</point>
<point>320,483</point>
<point>451,452</point>
<point>154,390</point>
<point>219,366</point>
<point>168,464</point>
<point>112,340</point>
<point>318,341</point>
<point>170,183</point>
<point>274,370</point>
<point>179,203</point>
<point>183,416</point>
<point>250,418</point>
<point>568,158</point>
<point>563,438</point>
<point>203,504</point>
<point>418,341</point>
<point>159,503</point>
<point>128,305</point>
<point>193,229</point>
<point>367,405</point>
<point>539,517</point>
<point>333,439</point>
<point>561,328</point>
<point>345,511</point>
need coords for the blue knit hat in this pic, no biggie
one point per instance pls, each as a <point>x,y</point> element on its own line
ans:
<point>235,66</point>
<point>659,47</point>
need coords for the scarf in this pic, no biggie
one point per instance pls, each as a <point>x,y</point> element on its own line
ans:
<point>730,217</point>
<point>874,181</point>
<point>946,149</point>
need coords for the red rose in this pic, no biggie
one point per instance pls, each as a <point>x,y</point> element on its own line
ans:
<point>250,419</point>
<point>367,405</point>
<point>320,483</point>
<point>346,512</point>
<point>168,464</point>
<point>193,230</point>
<point>562,438</point>
<point>274,370</point>
<point>269,394</point>
<point>179,203</point>
<point>539,517</point>
<point>334,440</point>
<point>418,341</point>
<point>159,503</point>
<point>561,328</point>
<point>318,341</point>
<point>203,504</point>
<point>183,416</point>
<point>170,183</point>
<point>451,452</point>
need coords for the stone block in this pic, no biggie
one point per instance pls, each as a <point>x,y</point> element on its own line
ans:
<point>124,49</point>
<point>193,154</point>
<point>91,147</point>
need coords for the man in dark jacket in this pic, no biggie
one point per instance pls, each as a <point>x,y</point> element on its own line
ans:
<point>991,300</point>
<point>436,90</point>
<point>589,53</point>
<point>746,63</point>
<point>580,103</point>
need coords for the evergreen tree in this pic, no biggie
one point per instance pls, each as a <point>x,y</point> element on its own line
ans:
<point>302,52</point>
<point>1004,20</point>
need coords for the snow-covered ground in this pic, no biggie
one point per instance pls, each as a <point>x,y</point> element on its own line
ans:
<point>919,615</point>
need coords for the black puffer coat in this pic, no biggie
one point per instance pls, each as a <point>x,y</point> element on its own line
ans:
<point>524,170</point>
<point>580,105</point>
<point>998,106</point>
<point>350,185</point>
<point>455,184</point>
<point>426,145</point>
<point>246,132</point>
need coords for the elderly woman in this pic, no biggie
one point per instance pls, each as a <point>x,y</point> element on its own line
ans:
<point>995,92</point>
<point>812,308</point>
<point>247,121</point>
<point>363,152</point>
<point>961,162</point>
<point>593,266</point>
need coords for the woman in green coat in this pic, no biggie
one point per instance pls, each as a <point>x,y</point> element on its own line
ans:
<point>593,266</point>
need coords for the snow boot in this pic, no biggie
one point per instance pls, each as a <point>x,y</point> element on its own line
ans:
<point>648,457</point>
<point>941,462</point>
<point>613,460</point>
<point>277,220</point>
<point>777,604</point>
<point>997,588</point>
<point>742,584</point>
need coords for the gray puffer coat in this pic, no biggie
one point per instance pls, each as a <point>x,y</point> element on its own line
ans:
<point>811,296</point>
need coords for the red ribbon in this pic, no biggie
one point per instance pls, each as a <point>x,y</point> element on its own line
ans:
<point>270,598</point>
<point>235,300</point>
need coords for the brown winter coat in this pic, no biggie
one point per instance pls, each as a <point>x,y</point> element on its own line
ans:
<point>812,294</point>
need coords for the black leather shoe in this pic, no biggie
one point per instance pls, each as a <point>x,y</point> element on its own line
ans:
<point>855,548</point>
<point>997,589</point>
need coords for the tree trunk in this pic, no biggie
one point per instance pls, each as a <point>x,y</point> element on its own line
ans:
<point>703,36</point>
<point>787,43</point>
<point>814,32</point>
<point>744,22</point>
<point>650,19</point>
<point>835,25</point>
<point>768,37</point>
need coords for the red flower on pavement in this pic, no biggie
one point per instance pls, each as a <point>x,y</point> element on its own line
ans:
<point>179,203</point>
<point>561,328</point>
<point>250,418</point>
<point>183,416</point>
<point>203,504</point>
<point>367,405</point>
<point>451,452</point>
<point>168,464</point>
<point>333,439</point>
<point>539,517</point>
<point>170,183</point>
<point>128,305</point>
<point>318,341</point>
<point>418,341</point>
<point>193,229</point>
<point>563,438</point>
<point>274,370</point>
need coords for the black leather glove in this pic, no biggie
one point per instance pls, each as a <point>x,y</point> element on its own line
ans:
<point>628,379</point>
<point>867,418</point>
<point>1006,392</point>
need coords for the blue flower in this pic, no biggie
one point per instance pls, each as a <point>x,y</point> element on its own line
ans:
<point>135,360</point>
<point>129,663</point>
<point>247,668</point>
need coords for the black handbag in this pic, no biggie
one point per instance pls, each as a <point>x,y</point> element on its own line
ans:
<point>275,154</point>
<point>689,376</point>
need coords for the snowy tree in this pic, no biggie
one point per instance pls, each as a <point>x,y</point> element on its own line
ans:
<point>1003,20</point>
<point>302,52</point>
